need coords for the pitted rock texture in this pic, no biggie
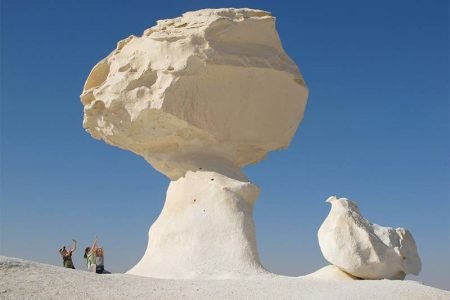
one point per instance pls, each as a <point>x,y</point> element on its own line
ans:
<point>363,249</point>
<point>213,82</point>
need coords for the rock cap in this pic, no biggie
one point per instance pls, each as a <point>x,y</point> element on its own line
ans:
<point>212,82</point>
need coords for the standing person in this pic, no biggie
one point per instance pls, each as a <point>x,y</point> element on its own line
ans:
<point>99,261</point>
<point>89,255</point>
<point>67,255</point>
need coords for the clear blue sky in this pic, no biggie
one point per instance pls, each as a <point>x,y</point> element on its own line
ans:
<point>376,130</point>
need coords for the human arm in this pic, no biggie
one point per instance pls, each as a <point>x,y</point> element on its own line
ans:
<point>94,245</point>
<point>74,247</point>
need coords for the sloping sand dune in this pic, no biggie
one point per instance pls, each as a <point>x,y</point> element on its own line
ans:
<point>21,279</point>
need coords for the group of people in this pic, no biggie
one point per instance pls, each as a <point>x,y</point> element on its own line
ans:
<point>94,257</point>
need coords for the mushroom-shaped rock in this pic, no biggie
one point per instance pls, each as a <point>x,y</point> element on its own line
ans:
<point>364,249</point>
<point>199,97</point>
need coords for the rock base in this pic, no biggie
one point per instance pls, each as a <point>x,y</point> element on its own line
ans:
<point>205,230</point>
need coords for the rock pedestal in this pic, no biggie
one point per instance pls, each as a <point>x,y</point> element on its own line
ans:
<point>205,229</point>
<point>199,97</point>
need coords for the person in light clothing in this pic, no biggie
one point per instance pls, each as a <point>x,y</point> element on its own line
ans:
<point>89,255</point>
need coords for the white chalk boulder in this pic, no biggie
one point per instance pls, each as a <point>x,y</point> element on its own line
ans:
<point>363,249</point>
<point>199,97</point>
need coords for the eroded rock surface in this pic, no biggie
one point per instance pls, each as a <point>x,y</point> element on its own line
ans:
<point>213,82</point>
<point>364,249</point>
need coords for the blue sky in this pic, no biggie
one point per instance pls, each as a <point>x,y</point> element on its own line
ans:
<point>376,130</point>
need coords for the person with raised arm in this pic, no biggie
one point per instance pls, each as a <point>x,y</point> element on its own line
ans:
<point>66,254</point>
<point>89,255</point>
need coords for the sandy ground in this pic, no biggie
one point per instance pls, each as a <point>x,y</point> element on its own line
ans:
<point>21,279</point>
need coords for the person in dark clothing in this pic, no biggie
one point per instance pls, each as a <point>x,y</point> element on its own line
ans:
<point>67,255</point>
<point>99,261</point>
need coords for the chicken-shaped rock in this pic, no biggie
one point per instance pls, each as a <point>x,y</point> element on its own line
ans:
<point>364,249</point>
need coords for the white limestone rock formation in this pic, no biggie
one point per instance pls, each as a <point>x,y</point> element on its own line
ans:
<point>364,249</point>
<point>207,223</point>
<point>214,81</point>
<point>199,97</point>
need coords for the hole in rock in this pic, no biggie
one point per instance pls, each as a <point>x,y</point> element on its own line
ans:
<point>299,81</point>
<point>212,179</point>
<point>125,68</point>
<point>147,79</point>
<point>98,75</point>
<point>181,25</point>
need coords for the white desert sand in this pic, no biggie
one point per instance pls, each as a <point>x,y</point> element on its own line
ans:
<point>21,279</point>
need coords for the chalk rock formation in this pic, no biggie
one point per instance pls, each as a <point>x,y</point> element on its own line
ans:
<point>201,210</point>
<point>363,249</point>
<point>199,97</point>
<point>214,81</point>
